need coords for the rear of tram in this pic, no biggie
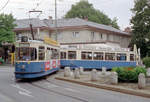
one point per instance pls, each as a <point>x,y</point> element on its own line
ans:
<point>35,60</point>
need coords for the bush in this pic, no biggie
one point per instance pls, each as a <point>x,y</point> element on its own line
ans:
<point>1,61</point>
<point>146,61</point>
<point>128,74</point>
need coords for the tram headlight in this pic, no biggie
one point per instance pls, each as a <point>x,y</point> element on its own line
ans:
<point>23,66</point>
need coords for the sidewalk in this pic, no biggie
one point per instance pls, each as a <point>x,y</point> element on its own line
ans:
<point>106,86</point>
<point>6,66</point>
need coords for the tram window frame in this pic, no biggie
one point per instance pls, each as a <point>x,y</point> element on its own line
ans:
<point>63,55</point>
<point>86,55</point>
<point>132,57</point>
<point>100,56</point>
<point>72,54</point>
<point>28,54</point>
<point>119,56</point>
<point>110,56</point>
<point>48,53</point>
<point>55,53</point>
<point>41,53</point>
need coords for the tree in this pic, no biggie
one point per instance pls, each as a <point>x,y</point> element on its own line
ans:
<point>6,28</point>
<point>141,26</point>
<point>84,9</point>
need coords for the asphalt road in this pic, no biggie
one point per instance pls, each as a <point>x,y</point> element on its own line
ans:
<point>51,90</point>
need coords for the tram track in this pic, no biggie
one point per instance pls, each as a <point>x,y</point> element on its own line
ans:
<point>56,92</point>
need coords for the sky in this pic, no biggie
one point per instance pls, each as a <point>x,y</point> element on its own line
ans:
<point>113,8</point>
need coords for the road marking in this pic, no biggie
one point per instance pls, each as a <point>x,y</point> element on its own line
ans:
<point>4,71</point>
<point>50,85</point>
<point>24,93</point>
<point>17,86</point>
<point>72,90</point>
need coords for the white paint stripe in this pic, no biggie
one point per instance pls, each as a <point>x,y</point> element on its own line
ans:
<point>50,85</point>
<point>25,94</point>
<point>72,90</point>
<point>17,86</point>
<point>4,71</point>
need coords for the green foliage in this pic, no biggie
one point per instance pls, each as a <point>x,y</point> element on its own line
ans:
<point>6,28</point>
<point>141,26</point>
<point>146,61</point>
<point>128,74</point>
<point>84,9</point>
<point>1,61</point>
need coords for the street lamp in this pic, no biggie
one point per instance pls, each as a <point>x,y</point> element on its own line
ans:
<point>56,18</point>
<point>148,2</point>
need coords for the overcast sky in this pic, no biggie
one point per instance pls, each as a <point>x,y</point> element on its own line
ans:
<point>112,8</point>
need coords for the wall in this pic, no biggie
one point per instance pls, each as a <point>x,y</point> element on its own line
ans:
<point>67,36</point>
<point>84,35</point>
<point>41,35</point>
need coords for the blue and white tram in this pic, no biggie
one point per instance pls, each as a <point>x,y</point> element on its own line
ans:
<point>36,58</point>
<point>96,58</point>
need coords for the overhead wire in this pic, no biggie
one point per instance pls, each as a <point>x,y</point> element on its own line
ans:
<point>5,5</point>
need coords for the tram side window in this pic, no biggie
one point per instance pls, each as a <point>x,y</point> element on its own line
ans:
<point>98,56</point>
<point>55,54</point>
<point>109,56</point>
<point>72,54</point>
<point>131,57</point>
<point>48,54</point>
<point>63,55</point>
<point>86,55</point>
<point>26,54</point>
<point>121,57</point>
<point>41,52</point>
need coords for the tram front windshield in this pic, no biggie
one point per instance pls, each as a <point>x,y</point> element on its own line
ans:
<point>26,54</point>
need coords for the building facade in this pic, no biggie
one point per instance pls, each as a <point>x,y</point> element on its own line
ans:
<point>72,31</point>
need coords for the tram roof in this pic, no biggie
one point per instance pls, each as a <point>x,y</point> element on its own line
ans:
<point>47,41</point>
<point>99,47</point>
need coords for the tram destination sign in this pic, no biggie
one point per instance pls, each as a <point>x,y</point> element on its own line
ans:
<point>24,45</point>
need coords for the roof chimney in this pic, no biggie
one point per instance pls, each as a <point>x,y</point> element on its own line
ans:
<point>86,18</point>
<point>128,30</point>
<point>50,17</point>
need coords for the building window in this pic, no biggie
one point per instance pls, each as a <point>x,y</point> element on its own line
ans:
<point>63,55</point>
<point>98,55</point>
<point>41,52</point>
<point>86,55</point>
<point>109,56</point>
<point>75,34</point>
<point>72,55</point>
<point>92,35</point>
<point>121,57</point>
<point>101,35</point>
<point>107,37</point>
<point>59,36</point>
<point>18,36</point>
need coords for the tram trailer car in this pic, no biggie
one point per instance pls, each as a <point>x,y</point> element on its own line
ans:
<point>36,58</point>
<point>96,59</point>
